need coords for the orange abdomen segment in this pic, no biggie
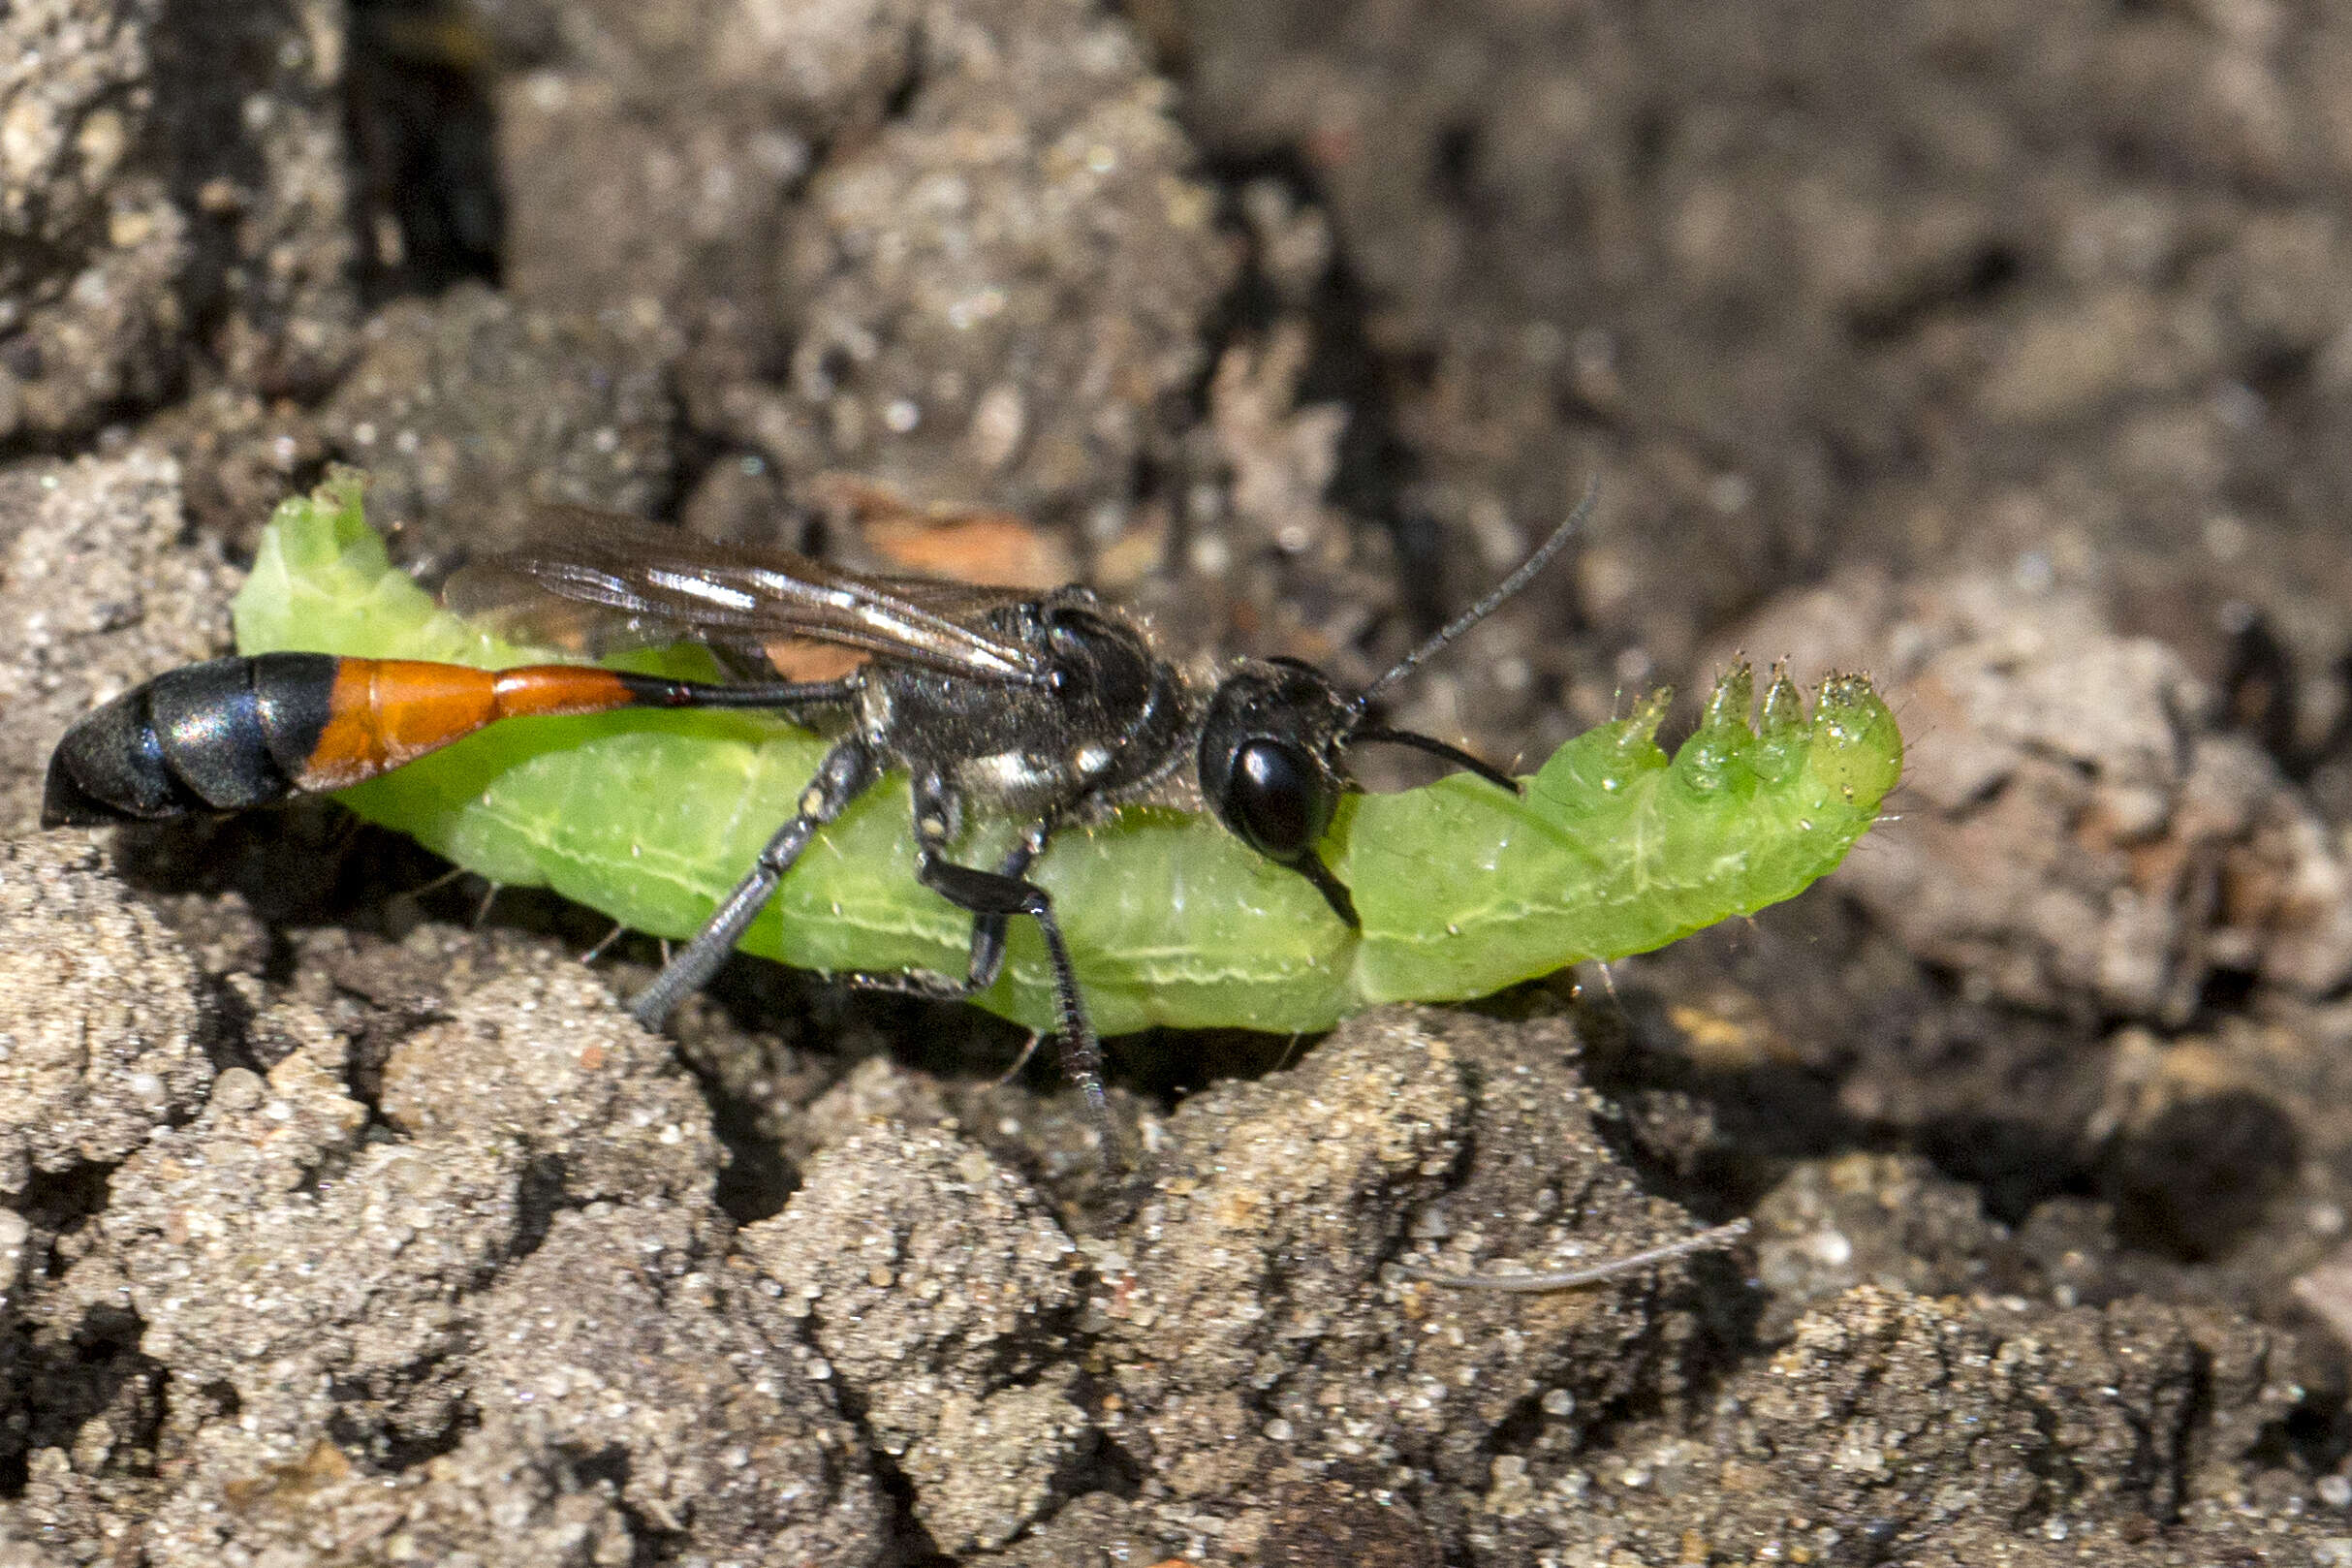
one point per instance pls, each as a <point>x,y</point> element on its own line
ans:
<point>386,712</point>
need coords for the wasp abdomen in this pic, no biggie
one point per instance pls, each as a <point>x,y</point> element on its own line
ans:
<point>237,733</point>
<point>215,736</point>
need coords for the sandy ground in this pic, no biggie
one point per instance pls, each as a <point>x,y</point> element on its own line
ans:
<point>2004,351</point>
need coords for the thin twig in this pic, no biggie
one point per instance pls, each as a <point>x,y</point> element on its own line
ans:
<point>1590,1274</point>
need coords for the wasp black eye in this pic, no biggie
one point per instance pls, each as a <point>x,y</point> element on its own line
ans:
<point>1276,798</point>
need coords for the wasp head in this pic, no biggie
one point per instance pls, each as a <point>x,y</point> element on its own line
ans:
<point>1273,765</point>
<point>1275,733</point>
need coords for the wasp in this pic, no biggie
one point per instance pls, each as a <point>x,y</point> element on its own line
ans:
<point>1052,709</point>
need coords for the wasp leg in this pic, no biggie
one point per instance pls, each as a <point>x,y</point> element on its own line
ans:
<point>845,773</point>
<point>985,893</point>
<point>988,960</point>
<point>988,930</point>
<point>994,898</point>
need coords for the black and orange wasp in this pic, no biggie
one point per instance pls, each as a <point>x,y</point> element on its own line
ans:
<point>1049,706</point>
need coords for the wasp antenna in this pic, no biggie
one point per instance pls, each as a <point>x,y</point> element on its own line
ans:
<point>1519,577</point>
<point>1463,760</point>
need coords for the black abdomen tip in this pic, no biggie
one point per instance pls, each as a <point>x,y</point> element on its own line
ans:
<point>204,737</point>
<point>110,767</point>
<point>65,804</point>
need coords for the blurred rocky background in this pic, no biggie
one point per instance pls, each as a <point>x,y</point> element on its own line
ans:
<point>2002,350</point>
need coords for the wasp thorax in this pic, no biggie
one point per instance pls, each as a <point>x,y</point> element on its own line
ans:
<point>1270,757</point>
<point>1098,661</point>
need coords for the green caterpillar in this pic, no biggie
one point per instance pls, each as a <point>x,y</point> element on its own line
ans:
<point>1462,890</point>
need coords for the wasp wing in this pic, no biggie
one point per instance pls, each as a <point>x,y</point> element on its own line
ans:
<point>598,583</point>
